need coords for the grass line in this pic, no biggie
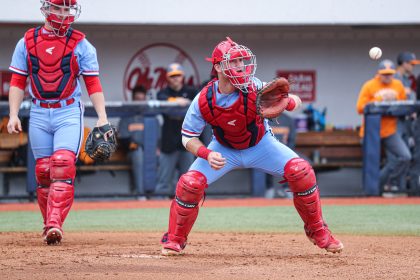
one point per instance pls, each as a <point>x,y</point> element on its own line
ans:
<point>358,219</point>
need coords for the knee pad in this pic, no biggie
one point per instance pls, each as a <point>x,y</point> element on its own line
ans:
<point>190,189</point>
<point>42,172</point>
<point>63,166</point>
<point>300,176</point>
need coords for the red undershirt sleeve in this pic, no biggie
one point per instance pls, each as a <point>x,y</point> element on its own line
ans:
<point>18,81</point>
<point>93,84</point>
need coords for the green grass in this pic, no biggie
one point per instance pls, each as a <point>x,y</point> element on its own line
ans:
<point>366,220</point>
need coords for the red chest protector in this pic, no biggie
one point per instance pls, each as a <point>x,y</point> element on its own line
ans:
<point>238,126</point>
<point>52,64</point>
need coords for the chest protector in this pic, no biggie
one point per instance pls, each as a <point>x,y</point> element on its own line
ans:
<point>238,126</point>
<point>52,64</point>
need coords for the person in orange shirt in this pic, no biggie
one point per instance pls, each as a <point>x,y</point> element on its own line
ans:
<point>384,87</point>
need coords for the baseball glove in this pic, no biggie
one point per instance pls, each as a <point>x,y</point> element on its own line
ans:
<point>273,98</point>
<point>101,143</point>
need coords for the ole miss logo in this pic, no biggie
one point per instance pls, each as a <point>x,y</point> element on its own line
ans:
<point>148,68</point>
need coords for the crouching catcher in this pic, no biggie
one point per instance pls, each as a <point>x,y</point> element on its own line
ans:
<point>237,105</point>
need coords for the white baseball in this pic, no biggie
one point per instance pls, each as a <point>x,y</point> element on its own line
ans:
<point>375,53</point>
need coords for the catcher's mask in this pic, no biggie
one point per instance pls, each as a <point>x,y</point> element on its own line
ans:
<point>237,62</point>
<point>60,14</point>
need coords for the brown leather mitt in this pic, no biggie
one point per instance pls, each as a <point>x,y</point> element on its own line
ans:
<point>273,98</point>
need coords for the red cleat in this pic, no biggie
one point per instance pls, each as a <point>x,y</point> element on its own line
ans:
<point>325,240</point>
<point>53,236</point>
<point>171,248</point>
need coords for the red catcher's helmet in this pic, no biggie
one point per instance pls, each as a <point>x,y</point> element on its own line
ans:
<point>60,14</point>
<point>238,63</point>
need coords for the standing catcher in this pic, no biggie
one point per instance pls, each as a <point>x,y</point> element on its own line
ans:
<point>54,56</point>
<point>237,106</point>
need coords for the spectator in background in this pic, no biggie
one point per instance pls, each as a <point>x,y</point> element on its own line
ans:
<point>404,73</point>
<point>131,136</point>
<point>418,87</point>
<point>409,126</point>
<point>384,87</point>
<point>173,153</point>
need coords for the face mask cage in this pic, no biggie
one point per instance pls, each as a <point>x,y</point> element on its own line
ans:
<point>239,65</point>
<point>60,17</point>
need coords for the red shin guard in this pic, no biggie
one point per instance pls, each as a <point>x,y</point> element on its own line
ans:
<point>42,173</point>
<point>42,196</point>
<point>184,208</point>
<point>60,201</point>
<point>302,182</point>
<point>181,221</point>
<point>61,196</point>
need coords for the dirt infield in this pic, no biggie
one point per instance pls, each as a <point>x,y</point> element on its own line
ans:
<point>125,255</point>
<point>136,255</point>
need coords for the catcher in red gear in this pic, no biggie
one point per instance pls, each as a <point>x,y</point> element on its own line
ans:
<point>237,106</point>
<point>54,56</point>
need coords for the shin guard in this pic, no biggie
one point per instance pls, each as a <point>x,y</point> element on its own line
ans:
<point>61,196</point>
<point>184,207</point>
<point>302,182</point>
<point>42,173</point>
<point>60,201</point>
<point>42,197</point>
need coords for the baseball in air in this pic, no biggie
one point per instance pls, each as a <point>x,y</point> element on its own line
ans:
<point>375,53</point>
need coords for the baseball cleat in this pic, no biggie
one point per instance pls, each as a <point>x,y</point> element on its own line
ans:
<point>172,249</point>
<point>325,240</point>
<point>53,236</point>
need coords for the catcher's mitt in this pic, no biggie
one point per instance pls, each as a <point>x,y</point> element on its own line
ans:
<point>273,98</point>
<point>101,143</point>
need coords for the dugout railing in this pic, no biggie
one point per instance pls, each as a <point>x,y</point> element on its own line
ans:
<point>149,109</point>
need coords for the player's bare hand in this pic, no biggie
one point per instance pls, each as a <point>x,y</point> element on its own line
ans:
<point>216,160</point>
<point>14,125</point>
<point>102,122</point>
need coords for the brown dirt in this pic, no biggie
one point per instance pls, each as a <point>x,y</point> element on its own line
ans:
<point>135,255</point>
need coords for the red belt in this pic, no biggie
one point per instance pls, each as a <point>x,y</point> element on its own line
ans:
<point>53,104</point>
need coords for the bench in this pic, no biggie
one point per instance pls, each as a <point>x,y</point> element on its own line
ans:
<point>331,150</point>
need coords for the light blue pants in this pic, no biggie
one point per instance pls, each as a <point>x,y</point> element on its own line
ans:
<point>56,129</point>
<point>269,156</point>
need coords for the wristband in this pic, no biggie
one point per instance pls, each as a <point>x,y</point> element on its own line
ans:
<point>203,152</point>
